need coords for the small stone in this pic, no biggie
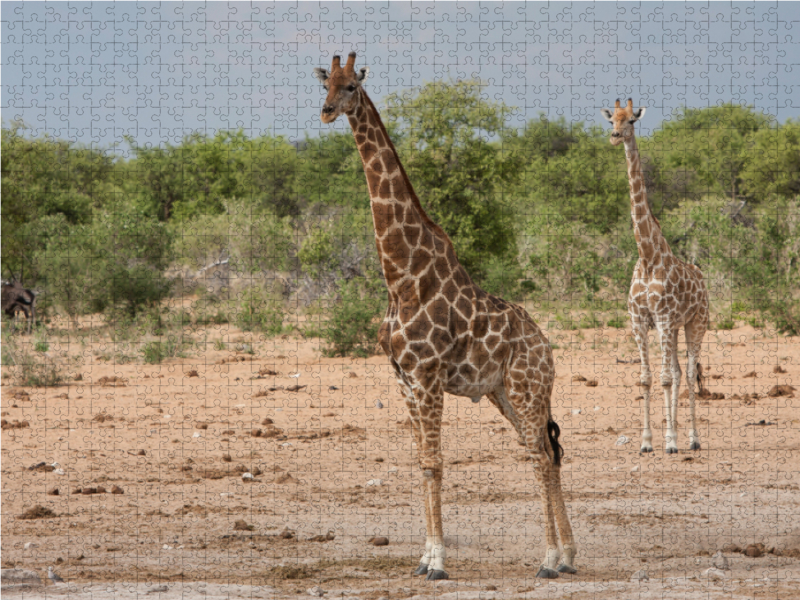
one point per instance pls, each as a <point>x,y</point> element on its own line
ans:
<point>286,534</point>
<point>374,482</point>
<point>247,477</point>
<point>714,573</point>
<point>59,471</point>
<point>622,440</point>
<point>159,589</point>
<point>378,404</point>
<point>316,591</point>
<point>197,434</point>
<point>117,490</point>
<point>490,588</point>
<point>52,492</point>
<point>30,545</point>
<point>754,550</point>
<point>576,411</point>
<point>720,562</point>
<point>380,541</point>
<point>640,576</point>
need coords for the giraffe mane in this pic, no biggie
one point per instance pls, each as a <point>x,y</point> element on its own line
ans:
<point>414,198</point>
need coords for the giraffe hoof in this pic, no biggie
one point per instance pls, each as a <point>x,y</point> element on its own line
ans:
<point>421,570</point>
<point>545,573</point>
<point>672,450</point>
<point>646,449</point>
<point>562,568</point>
<point>435,574</point>
<point>695,446</point>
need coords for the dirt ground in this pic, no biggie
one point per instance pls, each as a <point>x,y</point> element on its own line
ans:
<point>331,470</point>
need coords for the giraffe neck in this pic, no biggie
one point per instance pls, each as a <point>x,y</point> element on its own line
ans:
<point>406,237</point>
<point>650,241</point>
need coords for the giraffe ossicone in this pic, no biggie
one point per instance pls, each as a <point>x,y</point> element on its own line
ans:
<point>444,334</point>
<point>666,293</point>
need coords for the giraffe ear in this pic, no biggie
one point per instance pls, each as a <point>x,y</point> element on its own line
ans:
<point>607,114</point>
<point>363,73</point>
<point>321,74</point>
<point>638,114</point>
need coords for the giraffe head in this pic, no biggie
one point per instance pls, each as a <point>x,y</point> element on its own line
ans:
<point>623,120</point>
<point>342,85</point>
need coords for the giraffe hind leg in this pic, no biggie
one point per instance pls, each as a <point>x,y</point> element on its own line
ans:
<point>540,435</point>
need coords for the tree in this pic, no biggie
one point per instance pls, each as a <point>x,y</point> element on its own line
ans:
<point>711,144</point>
<point>443,134</point>
<point>774,165</point>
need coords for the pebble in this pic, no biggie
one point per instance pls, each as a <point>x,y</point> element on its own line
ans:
<point>720,562</point>
<point>160,589</point>
<point>197,434</point>
<point>380,541</point>
<point>640,576</point>
<point>317,591</point>
<point>576,411</point>
<point>714,573</point>
<point>247,476</point>
<point>372,482</point>
<point>295,376</point>
<point>622,440</point>
<point>392,470</point>
<point>59,471</point>
<point>29,545</point>
<point>635,469</point>
<point>378,404</point>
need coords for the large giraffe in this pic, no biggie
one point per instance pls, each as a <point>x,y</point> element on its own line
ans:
<point>666,293</point>
<point>442,333</point>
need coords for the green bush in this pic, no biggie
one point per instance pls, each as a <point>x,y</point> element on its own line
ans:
<point>34,370</point>
<point>259,312</point>
<point>353,326</point>
<point>157,351</point>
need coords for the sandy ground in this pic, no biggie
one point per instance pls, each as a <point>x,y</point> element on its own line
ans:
<point>331,470</point>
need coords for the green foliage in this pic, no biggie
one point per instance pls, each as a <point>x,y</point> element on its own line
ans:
<point>712,146</point>
<point>157,351</point>
<point>773,168</point>
<point>584,180</point>
<point>354,321</point>
<point>31,369</point>
<point>442,134</point>
<point>316,253</point>
<point>618,321</point>
<point>759,265</point>
<point>259,312</point>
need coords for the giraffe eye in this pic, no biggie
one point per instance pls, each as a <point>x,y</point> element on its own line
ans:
<point>351,88</point>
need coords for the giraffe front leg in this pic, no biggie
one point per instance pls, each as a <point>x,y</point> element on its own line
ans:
<point>429,407</point>
<point>676,383</point>
<point>694,341</point>
<point>670,436</point>
<point>411,405</point>
<point>645,382</point>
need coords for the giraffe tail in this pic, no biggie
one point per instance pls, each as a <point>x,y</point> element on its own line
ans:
<point>553,431</point>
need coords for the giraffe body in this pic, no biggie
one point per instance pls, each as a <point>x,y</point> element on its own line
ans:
<point>666,293</point>
<point>443,334</point>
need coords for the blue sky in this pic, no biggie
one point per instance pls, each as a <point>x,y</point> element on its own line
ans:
<point>96,72</point>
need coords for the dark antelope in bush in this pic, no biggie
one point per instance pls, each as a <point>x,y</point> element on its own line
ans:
<point>19,299</point>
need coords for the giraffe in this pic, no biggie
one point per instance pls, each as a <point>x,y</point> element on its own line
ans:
<point>666,293</point>
<point>443,334</point>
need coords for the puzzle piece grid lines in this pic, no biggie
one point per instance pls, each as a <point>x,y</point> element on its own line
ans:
<point>214,446</point>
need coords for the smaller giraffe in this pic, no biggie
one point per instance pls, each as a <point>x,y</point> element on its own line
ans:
<point>666,293</point>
